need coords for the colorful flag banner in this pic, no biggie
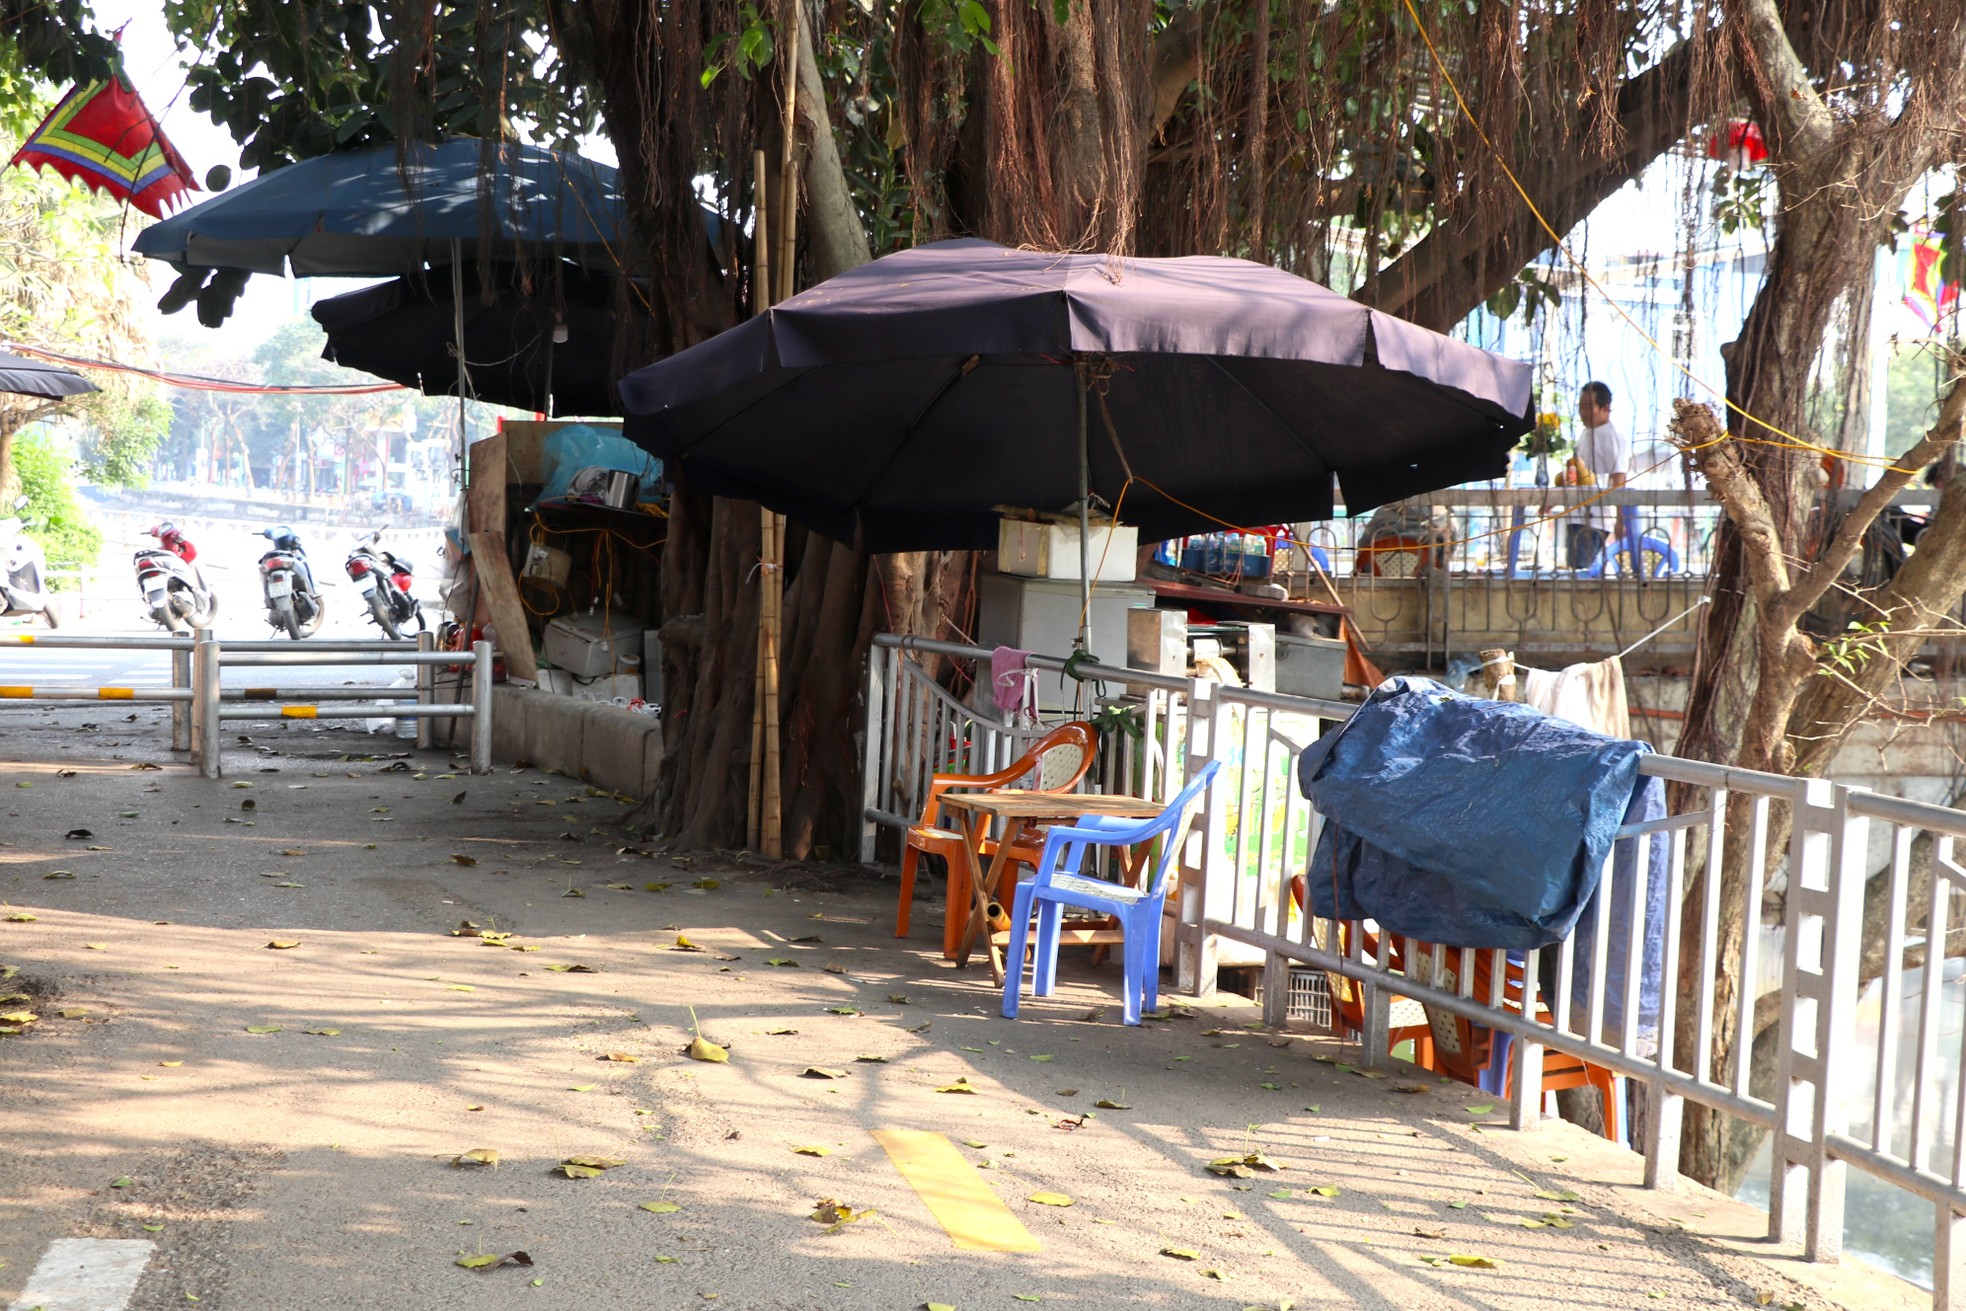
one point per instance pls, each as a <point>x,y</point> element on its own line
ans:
<point>102,136</point>
<point>1927,293</point>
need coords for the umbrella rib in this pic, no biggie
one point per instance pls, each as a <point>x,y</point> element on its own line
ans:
<point>908,431</point>
<point>682,452</point>
<point>1265,406</point>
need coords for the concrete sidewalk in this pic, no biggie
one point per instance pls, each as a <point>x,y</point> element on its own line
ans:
<point>309,1165</point>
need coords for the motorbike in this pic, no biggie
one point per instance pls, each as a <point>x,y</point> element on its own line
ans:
<point>293,602</point>
<point>384,580</point>
<point>24,584</point>
<point>173,586</point>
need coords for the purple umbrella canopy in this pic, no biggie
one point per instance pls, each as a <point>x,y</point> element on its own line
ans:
<point>901,403</point>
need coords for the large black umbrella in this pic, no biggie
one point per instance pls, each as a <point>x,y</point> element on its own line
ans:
<point>380,212</point>
<point>24,377</point>
<point>900,403</point>
<point>548,348</point>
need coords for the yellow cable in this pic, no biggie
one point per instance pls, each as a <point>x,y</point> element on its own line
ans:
<point>1790,439</point>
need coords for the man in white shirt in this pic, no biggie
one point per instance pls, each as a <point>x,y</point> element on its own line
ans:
<point>1605,456</point>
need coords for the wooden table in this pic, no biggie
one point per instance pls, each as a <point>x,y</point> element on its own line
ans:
<point>1025,816</point>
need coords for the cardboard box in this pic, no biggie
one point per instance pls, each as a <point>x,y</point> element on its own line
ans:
<point>1051,550</point>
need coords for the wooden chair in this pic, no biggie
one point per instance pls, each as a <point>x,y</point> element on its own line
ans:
<point>1478,1055</point>
<point>1055,763</point>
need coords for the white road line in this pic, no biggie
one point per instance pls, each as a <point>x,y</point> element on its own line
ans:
<point>86,1274</point>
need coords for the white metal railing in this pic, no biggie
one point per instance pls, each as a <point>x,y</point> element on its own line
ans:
<point>1256,833</point>
<point>201,706</point>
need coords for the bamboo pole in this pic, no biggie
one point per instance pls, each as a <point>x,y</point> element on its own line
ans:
<point>773,600</point>
<point>771,575</point>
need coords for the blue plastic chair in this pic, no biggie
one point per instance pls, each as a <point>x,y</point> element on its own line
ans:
<point>1059,884</point>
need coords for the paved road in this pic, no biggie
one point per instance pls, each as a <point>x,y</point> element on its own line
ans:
<point>274,1127</point>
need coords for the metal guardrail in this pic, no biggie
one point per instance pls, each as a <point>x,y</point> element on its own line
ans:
<point>200,705</point>
<point>1886,1097</point>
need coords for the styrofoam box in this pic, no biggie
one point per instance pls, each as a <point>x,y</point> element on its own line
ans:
<point>590,645</point>
<point>1051,550</point>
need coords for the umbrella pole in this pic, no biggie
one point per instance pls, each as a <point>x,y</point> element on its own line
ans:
<point>1085,516</point>
<point>760,302</point>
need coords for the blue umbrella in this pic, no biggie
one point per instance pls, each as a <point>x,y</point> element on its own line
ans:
<point>379,213</point>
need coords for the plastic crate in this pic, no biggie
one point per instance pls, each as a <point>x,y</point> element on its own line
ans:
<point>1310,996</point>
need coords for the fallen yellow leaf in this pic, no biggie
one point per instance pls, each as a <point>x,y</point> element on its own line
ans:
<point>277,945</point>
<point>1049,1199</point>
<point>477,1156</point>
<point>660,1208</point>
<point>702,1049</point>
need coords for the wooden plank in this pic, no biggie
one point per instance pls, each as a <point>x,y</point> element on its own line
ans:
<point>501,593</point>
<point>484,495</point>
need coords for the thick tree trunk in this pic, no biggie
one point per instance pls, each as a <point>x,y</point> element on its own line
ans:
<point>1839,181</point>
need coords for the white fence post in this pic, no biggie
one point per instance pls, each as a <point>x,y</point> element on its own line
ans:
<point>481,707</point>
<point>205,724</point>
<point>426,692</point>
<point>1209,879</point>
<point>1822,924</point>
<point>873,731</point>
<point>180,710</point>
<point>1526,1095</point>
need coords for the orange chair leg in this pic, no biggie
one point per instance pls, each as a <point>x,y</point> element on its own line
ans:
<point>956,907</point>
<point>908,857</point>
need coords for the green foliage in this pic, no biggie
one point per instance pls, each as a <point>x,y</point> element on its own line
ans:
<point>1741,199</point>
<point>748,49</point>
<point>42,42</point>
<point>64,285</point>
<point>1530,290</point>
<point>299,78</point>
<point>1850,652</point>
<point>123,432</point>
<point>57,521</point>
<point>1911,397</point>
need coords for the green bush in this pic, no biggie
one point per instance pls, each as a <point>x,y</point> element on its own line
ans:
<point>57,520</point>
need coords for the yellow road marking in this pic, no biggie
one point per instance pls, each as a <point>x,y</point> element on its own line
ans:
<point>297,712</point>
<point>955,1194</point>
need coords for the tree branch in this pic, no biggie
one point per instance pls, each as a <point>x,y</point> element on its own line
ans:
<point>1174,63</point>
<point>1801,121</point>
<point>1697,431</point>
<point>1850,536</point>
<point>1442,278</point>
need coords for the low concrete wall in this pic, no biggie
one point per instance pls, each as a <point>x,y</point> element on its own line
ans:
<point>595,742</point>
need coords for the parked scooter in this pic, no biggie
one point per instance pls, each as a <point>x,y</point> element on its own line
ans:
<point>24,586</point>
<point>173,586</point>
<point>293,603</point>
<point>384,581</point>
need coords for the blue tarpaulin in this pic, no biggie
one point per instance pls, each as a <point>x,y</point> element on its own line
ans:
<point>1463,821</point>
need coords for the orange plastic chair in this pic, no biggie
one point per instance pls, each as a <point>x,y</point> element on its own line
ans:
<point>1055,763</point>
<point>1465,1050</point>
<point>1348,999</point>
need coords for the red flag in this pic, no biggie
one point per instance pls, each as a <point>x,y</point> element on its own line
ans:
<point>101,135</point>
